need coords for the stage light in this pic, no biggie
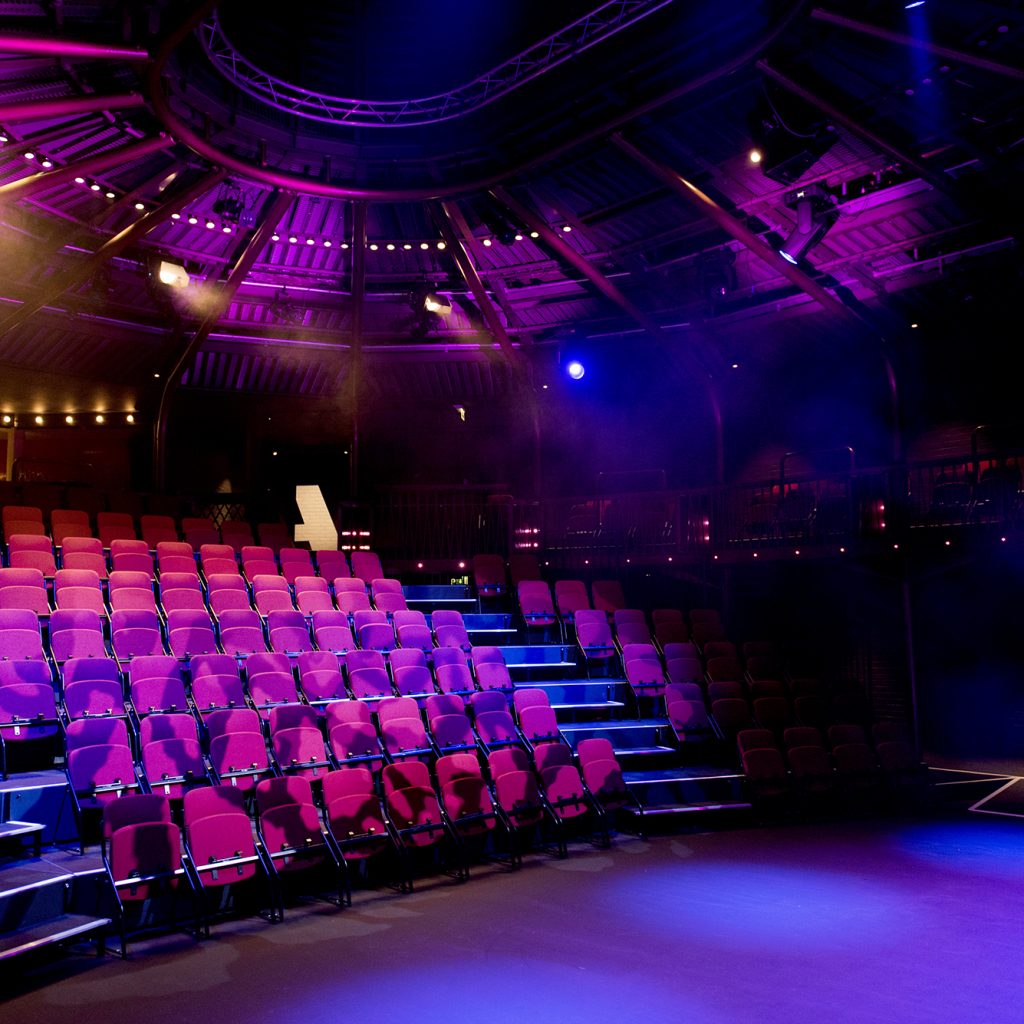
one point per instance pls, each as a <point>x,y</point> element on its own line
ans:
<point>434,303</point>
<point>374,247</point>
<point>69,420</point>
<point>210,225</point>
<point>174,275</point>
<point>327,243</point>
<point>79,181</point>
<point>424,245</point>
<point>100,418</point>
<point>390,247</point>
<point>344,245</point>
<point>518,238</point>
<point>576,369</point>
<point>175,216</point>
<point>292,239</point>
<point>487,242</point>
<point>756,156</point>
<point>567,228</point>
<point>441,245</point>
<point>535,234</point>
<point>7,419</point>
<point>140,206</point>
<point>275,237</point>
<point>30,156</point>
<point>47,164</point>
<point>39,421</point>
<point>129,418</point>
<point>406,246</point>
<point>913,4</point>
<point>94,187</point>
<point>310,241</point>
<point>193,220</point>
<point>111,195</point>
<point>226,229</point>
<point>815,214</point>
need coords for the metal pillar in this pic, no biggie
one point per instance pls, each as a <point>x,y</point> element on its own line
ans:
<point>356,368</point>
<point>273,210</point>
<point>48,46</point>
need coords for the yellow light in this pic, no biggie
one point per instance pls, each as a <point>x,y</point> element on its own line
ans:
<point>441,245</point>
<point>756,156</point>
<point>69,420</point>
<point>140,206</point>
<point>39,421</point>
<point>7,419</point>
<point>129,418</point>
<point>100,418</point>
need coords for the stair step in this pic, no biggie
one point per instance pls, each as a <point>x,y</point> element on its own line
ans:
<point>664,810</point>
<point>10,829</point>
<point>47,933</point>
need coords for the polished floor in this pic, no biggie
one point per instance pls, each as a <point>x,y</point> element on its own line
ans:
<point>904,921</point>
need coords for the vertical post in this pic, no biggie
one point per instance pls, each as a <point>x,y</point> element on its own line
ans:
<point>356,369</point>
<point>908,642</point>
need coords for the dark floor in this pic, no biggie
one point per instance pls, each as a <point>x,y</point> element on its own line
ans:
<point>919,921</point>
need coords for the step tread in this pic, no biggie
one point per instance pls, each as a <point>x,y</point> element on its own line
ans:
<point>619,723</point>
<point>44,933</point>
<point>667,809</point>
<point>12,828</point>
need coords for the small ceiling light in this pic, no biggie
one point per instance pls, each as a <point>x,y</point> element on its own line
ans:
<point>424,245</point>
<point>30,156</point>
<point>275,237</point>
<point>193,219</point>
<point>327,243</point>
<point>79,180</point>
<point>462,565</point>
<point>39,421</point>
<point>47,163</point>
<point>156,376</point>
<point>7,419</point>
<point>487,242</point>
<point>913,325</point>
<point>293,239</point>
<point>274,454</point>
<point>406,246</point>
<point>226,229</point>
<point>441,245</point>
<point>175,216</point>
<point>69,420</point>
<point>391,246</point>
<point>543,387</point>
<point>535,234</point>
<point>94,187</point>
<point>576,369</point>
<point>735,366</point>
<point>210,225</point>
<point>129,418</point>
<point>374,247</point>
<point>100,418</point>
<point>140,206</point>
<point>111,195</point>
<point>519,238</point>
<point>567,228</point>
<point>756,156</point>
<point>419,565</point>
<point>310,241</point>
<point>344,245</point>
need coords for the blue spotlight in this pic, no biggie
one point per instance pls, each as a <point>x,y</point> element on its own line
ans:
<point>913,4</point>
<point>576,369</point>
<point>786,256</point>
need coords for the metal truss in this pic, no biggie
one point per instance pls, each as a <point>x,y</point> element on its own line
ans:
<point>600,24</point>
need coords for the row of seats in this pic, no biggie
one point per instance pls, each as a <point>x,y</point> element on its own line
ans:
<point>110,526</point>
<point>415,811</point>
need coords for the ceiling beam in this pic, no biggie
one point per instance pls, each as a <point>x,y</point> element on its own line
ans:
<point>112,247</point>
<point>66,106</point>
<point>918,43</point>
<point>733,226</point>
<point>222,294</point>
<point>50,46</point>
<point>82,168</point>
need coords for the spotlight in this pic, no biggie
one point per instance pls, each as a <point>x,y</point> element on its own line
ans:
<point>79,181</point>
<point>374,247</point>
<point>293,239</point>
<point>535,234</point>
<point>327,243</point>
<point>47,164</point>
<point>174,275</point>
<point>94,187</point>
<point>193,219</point>
<point>111,195</point>
<point>815,214</point>
<point>344,245</point>
<point>424,245</point>
<point>913,4</point>
<point>789,135</point>
<point>390,247</point>
<point>210,225</point>
<point>441,245</point>
<point>487,242</point>
<point>567,228</point>
<point>576,369</point>
<point>275,237</point>
<point>756,156</point>
<point>310,241</point>
<point>406,245</point>
<point>140,206</point>
<point>30,156</point>
<point>69,420</point>
<point>129,418</point>
<point>39,421</point>
<point>7,419</point>
<point>100,418</point>
<point>434,303</point>
<point>175,216</point>
<point>226,229</point>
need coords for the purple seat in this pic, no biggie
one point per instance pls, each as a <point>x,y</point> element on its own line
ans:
<point>20,636</point>
<point>84,553</point>
<point>539,726</point>
<point>180,590</point>
<point>320,677</point>
<point>23,589</point>
<point>413,680</point>
<point>450,629</point>
<point>464,795</point>
<point>352,601</point>
<point>455,678</point>
<point>76,634</point>
<point>452,732</point>
<point>332,565</point>
<point>176,557</point>
<point>366,565</point>
<point>602,773</point>
<point>156,685</point>
<point>570,597</point>
<point>240,759</point>
<point>217,692</point>
<point>594,635</point>
<point>78,588</point>
<point>173,766</point>
<point>489,577</point>
<point>300,751</point>
<point>607,595</point>
<point>131,556</point>
<point>111,526</point>
<point>241,632</point>
<point>374,631</point>
<point>332,632</point>
<point>94,698</point>
<point>270,681</point>
<point>289,632</point>
<point>258,560</point>
<point>368,678</point>
<point>535,604</point>
<point>353,739</point>
<point>131,590</point>
<point>30,551</point>
<point>353,814</point>
<point>227,592</point>
<point>28,712</point>
<point>101,772</point>
<point>295,562</point>
<point>190,632</point>
<point>312,594</point>
<point>218,560</point>
<point>271,593</point>
<point>690,722</point>
<point>87,732</point>
<point>134,633</point>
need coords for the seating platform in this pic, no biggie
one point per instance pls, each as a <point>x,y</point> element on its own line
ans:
<point>491,628</point>
<point>427,597</point>
<point>668,792</point>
